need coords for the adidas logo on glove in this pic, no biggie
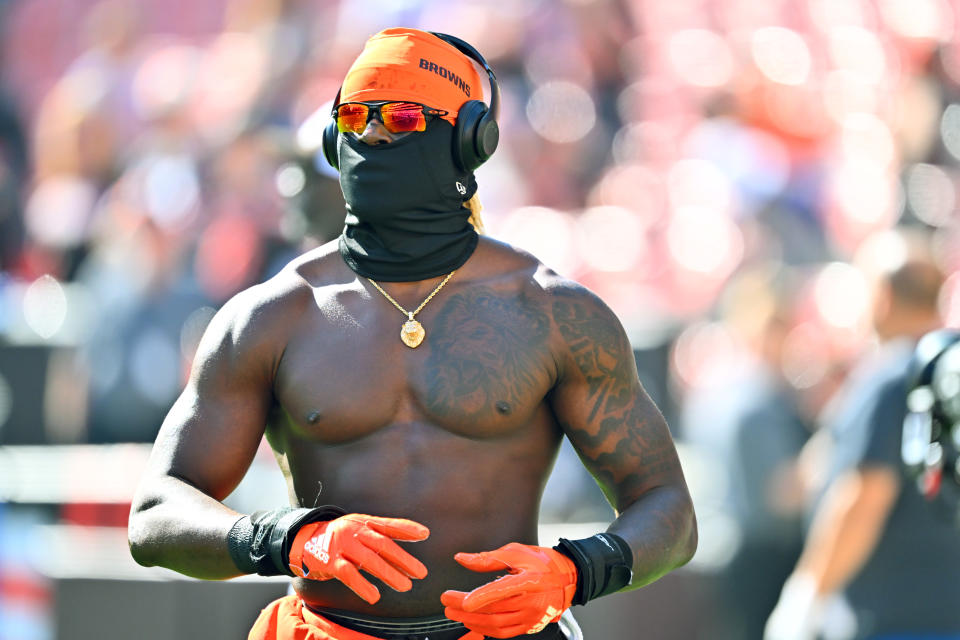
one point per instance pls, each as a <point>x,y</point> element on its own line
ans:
<point>319,547</point>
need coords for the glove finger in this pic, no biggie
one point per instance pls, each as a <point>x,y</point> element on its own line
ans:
<point>298,571</point>
<point>494,620</point>
<point>364,558</point>
<point>483,561</point>
<point>348,574</point>
<point>391,552</point>
<point>500,589</point>
<point>505,632</point>
<point>473,635</point>
<point>451,598</point>
<point>396,528</point>
<point>507,605</point>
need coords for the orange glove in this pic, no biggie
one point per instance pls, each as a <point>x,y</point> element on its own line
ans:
<point>340,548</point>
<point>539,588</point>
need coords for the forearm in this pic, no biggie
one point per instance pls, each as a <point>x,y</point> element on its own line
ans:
<point>175,525</point>
<point>661,529</point>
<point>845,530</point>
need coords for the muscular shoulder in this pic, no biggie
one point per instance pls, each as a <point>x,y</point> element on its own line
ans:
<point>270,305</point>
<point>591,339</point>
<point>250,330</point>
<point>262,310</point>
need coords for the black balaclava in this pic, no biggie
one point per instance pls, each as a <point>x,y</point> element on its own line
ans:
<point>405,215</point>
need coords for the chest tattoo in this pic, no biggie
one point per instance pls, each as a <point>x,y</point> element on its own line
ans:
<point>486,354</point>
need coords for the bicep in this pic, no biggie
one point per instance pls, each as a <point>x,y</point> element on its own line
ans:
<point>603,409</point>
<point>212,432</point>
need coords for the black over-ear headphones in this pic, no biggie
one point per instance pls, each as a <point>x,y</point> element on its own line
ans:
<point>476,133</point>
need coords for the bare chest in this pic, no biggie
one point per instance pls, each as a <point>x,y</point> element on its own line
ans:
<point>482,370</point>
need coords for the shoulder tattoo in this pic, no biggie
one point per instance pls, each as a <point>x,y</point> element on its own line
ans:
<point>622,434</point>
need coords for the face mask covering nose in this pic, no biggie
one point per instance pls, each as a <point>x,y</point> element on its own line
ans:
<point>405,216</point>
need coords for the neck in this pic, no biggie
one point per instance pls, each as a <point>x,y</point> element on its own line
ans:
<point>907,324</point>
<point>402,255</point>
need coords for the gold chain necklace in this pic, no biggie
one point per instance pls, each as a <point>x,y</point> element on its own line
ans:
<point>412,333</point>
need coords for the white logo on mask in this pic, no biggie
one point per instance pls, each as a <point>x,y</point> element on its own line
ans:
<point>461,189</point>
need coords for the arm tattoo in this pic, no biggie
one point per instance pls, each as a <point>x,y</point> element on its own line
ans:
<point>596,349</point>
<point>486,354</point>
<point>622,437</point>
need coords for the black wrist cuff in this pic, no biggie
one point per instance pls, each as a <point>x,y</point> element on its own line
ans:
<point>260,543</point>
<point>604,564</point>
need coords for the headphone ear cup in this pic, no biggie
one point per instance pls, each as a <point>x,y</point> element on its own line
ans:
<point>488,136</point>
<point>465,147</point>
<point>330,137</point>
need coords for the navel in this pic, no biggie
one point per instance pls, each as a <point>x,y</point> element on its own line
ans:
<point>503,408</point>
<point>314,417</point>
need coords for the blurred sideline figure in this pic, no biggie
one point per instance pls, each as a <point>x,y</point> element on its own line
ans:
<point>872,538</point>
<point>441,433</point>
<point>749,420</point>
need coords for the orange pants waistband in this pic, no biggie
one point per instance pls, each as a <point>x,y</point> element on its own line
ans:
<point>288,619</point>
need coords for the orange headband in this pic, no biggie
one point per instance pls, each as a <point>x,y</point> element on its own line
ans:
<point>409,64</point>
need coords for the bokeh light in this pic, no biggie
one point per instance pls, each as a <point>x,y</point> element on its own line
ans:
<point>154,366</point>
<point>290,179</point>
<point>704,240</point>
<point>841,294</point>
<point>229,76</point>
<point>931,194</point>
<point>781,55</point>
<point>866,194</point>
<point>859,53</point>
<point>867,139</point>
<point>827,14</point>
<point>881,252</point>
<point>694,182</point>
<point>45,306</point>
<point>545,232</point>
<point>701,57</point>
<point>164,80</point>
<point>610,238</point>
<point>846,93</point>
<point>702,350</point>
<point>950,129</point>
<point>928,19</point>
<point>757,163</point>
<point>950,301</point>
<point>633,186</point>
<point>171,189</point>
<point>59,210</point>
<point>561,111</point>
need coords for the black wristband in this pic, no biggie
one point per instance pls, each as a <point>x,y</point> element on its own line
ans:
<point>260,543</point>
<point>604,564</point>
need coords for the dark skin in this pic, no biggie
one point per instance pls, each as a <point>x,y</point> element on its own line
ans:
<point>458,434</point>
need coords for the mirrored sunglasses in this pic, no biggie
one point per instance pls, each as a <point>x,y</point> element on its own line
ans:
<point>397,117</point>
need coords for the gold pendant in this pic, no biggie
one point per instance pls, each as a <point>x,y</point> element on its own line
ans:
<point>412,333</point>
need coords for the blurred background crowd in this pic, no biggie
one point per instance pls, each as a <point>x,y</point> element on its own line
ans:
<point>733,177</point>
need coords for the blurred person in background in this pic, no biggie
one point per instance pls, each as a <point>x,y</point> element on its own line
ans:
<point>445,436</point>
<point>872,538</point>
<point>749,422</point>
